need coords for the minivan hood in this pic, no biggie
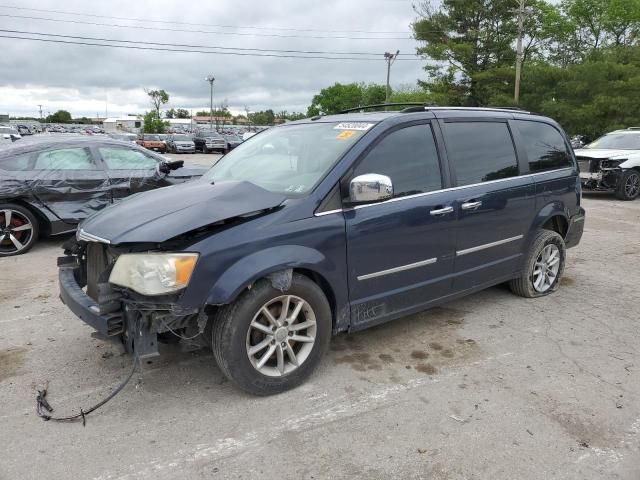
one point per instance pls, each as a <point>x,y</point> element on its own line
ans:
<point>160,215</point>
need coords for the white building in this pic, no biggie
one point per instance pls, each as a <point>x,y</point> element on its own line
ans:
<point>132,124</point>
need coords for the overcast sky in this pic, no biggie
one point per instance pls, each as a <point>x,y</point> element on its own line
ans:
<point>87,79</point>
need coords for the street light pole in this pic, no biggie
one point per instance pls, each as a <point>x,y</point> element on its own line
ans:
<point>211,79</point>
<point>389,58</point>
<point>519,53</point>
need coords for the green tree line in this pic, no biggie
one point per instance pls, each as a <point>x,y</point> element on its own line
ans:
<point>580,61</point>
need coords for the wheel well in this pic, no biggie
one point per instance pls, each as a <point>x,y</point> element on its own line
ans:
<point>43,224</point>
<point>558,224</point>
<point>326,289</point>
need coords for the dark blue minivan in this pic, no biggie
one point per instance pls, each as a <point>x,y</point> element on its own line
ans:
<point>326,225</point>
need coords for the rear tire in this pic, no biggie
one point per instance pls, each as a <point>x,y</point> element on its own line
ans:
<point>543,266</point>
<point>241,328</point>
<point>22,230</point>
<point>629,186</point>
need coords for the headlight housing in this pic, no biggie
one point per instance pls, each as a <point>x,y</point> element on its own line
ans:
<point>153,273</point>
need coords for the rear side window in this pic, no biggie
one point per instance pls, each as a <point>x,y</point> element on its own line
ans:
<point>65,159</point>
<point>545,146</point>
<point>409,158</point>
<point>480,151</point>
<point>15,162</point>
<point>122,159</point>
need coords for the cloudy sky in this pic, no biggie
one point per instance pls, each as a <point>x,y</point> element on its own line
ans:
<point>86,80</point>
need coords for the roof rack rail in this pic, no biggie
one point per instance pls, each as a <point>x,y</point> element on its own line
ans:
<point>633,128</point>
<point>383,105</point>
<point>423,106</point>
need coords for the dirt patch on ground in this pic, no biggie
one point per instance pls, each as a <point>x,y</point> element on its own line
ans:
<point>407,343</point>
<point>11,362</point>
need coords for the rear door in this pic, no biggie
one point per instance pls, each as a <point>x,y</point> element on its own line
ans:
<point>70,182</point>
<point>130,170</point>
<point>400,251</point>
<point>495,204</point>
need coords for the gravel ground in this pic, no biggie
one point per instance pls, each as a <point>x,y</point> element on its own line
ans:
<point>489,387</point>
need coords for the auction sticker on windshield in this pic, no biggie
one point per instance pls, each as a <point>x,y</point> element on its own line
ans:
<point>343,135</point>
<point>353,126</point>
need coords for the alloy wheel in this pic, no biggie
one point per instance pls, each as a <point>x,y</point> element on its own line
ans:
<point>281,335</point>
<point>546,267</point>
<point>16,231</point>
<point>632,185</point>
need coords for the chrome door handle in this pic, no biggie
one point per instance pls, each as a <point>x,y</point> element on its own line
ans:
<point>441,211</point>
<point>470,205</point>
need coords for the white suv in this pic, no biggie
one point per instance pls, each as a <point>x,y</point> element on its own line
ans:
<point>612,164</point>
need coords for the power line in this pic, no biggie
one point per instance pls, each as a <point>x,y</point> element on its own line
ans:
<point>161,49</point>
<point>164,29</point>
<point>185,45</point>
<point>146,20</point>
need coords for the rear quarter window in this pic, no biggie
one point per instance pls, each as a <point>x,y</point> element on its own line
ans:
<point>15,163</point>
<point>545,146</point>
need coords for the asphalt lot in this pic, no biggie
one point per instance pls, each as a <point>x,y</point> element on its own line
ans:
<point>195,159</point>
<point>489,387</point>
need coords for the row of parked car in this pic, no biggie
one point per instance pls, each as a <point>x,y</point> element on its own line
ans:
<point>206,141</point>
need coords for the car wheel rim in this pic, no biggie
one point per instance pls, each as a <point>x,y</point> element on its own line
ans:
<point>16,231</point>
<point>546,268</point>
<point>632,185</point>
<point>281,335</point>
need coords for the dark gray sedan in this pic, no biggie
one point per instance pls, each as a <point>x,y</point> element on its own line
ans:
<point>49,184</point>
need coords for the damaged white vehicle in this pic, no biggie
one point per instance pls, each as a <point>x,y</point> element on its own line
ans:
<point>612,164</point>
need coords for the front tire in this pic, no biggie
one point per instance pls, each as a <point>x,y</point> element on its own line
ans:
<point>18,229</point>
<point>543,266</point>
<point>269,340</point>
<point>629,185</point>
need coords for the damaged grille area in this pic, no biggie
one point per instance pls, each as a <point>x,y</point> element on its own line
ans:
<point>588,165</point>
<point>98,263</point>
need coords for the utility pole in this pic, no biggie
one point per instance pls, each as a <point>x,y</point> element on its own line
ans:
<point>211,79</point>
<point>40,107</point>
<point>519,53</point>
<point>389,58</point>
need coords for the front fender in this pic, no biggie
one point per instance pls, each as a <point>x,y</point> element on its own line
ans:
<point>259,264</point>
<point>632,162</point>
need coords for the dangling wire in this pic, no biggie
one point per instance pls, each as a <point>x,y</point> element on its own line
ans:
<point>43,408</point>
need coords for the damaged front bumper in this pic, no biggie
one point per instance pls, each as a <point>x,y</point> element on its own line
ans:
<point>116,315</point>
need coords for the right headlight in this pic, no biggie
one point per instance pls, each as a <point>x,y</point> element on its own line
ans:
<point>154,273</point>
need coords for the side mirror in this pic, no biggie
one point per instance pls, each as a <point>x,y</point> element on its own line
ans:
<point>167,167</point>
<point>370,187</point>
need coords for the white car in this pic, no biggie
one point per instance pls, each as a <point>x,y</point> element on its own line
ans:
<point>9,134</point>
<point>612,164</point>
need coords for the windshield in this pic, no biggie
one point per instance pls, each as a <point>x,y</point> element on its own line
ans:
<point>153,138</point>
<point>622,141</point>
<point>233,138</point>
<point>182,138</point>
<point>289,160</point>
<point>8,130</point>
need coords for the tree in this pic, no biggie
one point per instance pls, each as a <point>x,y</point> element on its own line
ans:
<point>157,98</point>
<point>340,97</point>
<point>183,113</point>
<point>464,38</point>
<point>171,113</point>
<point>410,94</point>
<point>265,117</point>
<point>153,123</point>
<point>61,116</point>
